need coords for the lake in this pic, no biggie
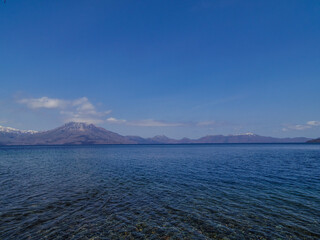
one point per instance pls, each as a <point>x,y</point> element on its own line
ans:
<point>218,191</point>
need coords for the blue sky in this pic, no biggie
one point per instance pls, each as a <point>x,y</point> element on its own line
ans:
<point>179,68</point>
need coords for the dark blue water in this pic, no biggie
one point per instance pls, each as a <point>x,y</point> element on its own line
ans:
<point>160,192</point>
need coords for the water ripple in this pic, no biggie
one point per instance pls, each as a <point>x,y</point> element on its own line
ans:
<point>160,192</point>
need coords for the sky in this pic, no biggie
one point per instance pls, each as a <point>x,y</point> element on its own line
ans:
<point>175,68</point>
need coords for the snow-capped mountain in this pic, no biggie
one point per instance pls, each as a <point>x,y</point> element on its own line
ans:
<point>79,133</point>
<point>17,131</point>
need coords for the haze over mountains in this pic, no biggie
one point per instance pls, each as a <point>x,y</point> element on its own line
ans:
<point>75,133</point>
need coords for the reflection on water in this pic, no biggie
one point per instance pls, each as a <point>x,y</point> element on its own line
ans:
<point>160,192</point>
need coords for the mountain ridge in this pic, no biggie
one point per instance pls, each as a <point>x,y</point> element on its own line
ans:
<point>317,140</point>
<point>14,130</point>
<point>79,133</point>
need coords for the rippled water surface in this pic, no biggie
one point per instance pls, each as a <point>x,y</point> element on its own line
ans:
<point>160,192</point>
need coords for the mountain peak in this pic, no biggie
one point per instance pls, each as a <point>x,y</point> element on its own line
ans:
<point>80,133</point>
<point>81,126</point>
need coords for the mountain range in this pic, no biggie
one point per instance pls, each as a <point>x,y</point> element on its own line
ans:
<point>314,140</point>
<point>77,133</point>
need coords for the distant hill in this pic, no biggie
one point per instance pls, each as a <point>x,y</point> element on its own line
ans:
<point>75,133</point>
<point>241,138</point>
<point>314,140</point>
<point>248,138</point>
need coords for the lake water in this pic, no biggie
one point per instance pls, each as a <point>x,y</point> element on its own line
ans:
<point>236,191</point>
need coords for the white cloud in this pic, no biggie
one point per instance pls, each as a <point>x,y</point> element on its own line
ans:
<point>43,102</point>
<point>299,127</point>
<point>154,123</point>
<point>82,110</point>
<point>115,120</point>
<point>144,123</point>
<point>314,123</point>
<point>157,123</point>
<point>206,123</point>
<point>77,110</point>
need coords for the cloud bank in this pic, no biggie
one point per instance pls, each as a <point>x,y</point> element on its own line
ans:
<point>82,110</point>
<point>43,102</point>
<point>307,125</point>
<point>157,123</point>
<point>77,110</point>
<point>145,123</point>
